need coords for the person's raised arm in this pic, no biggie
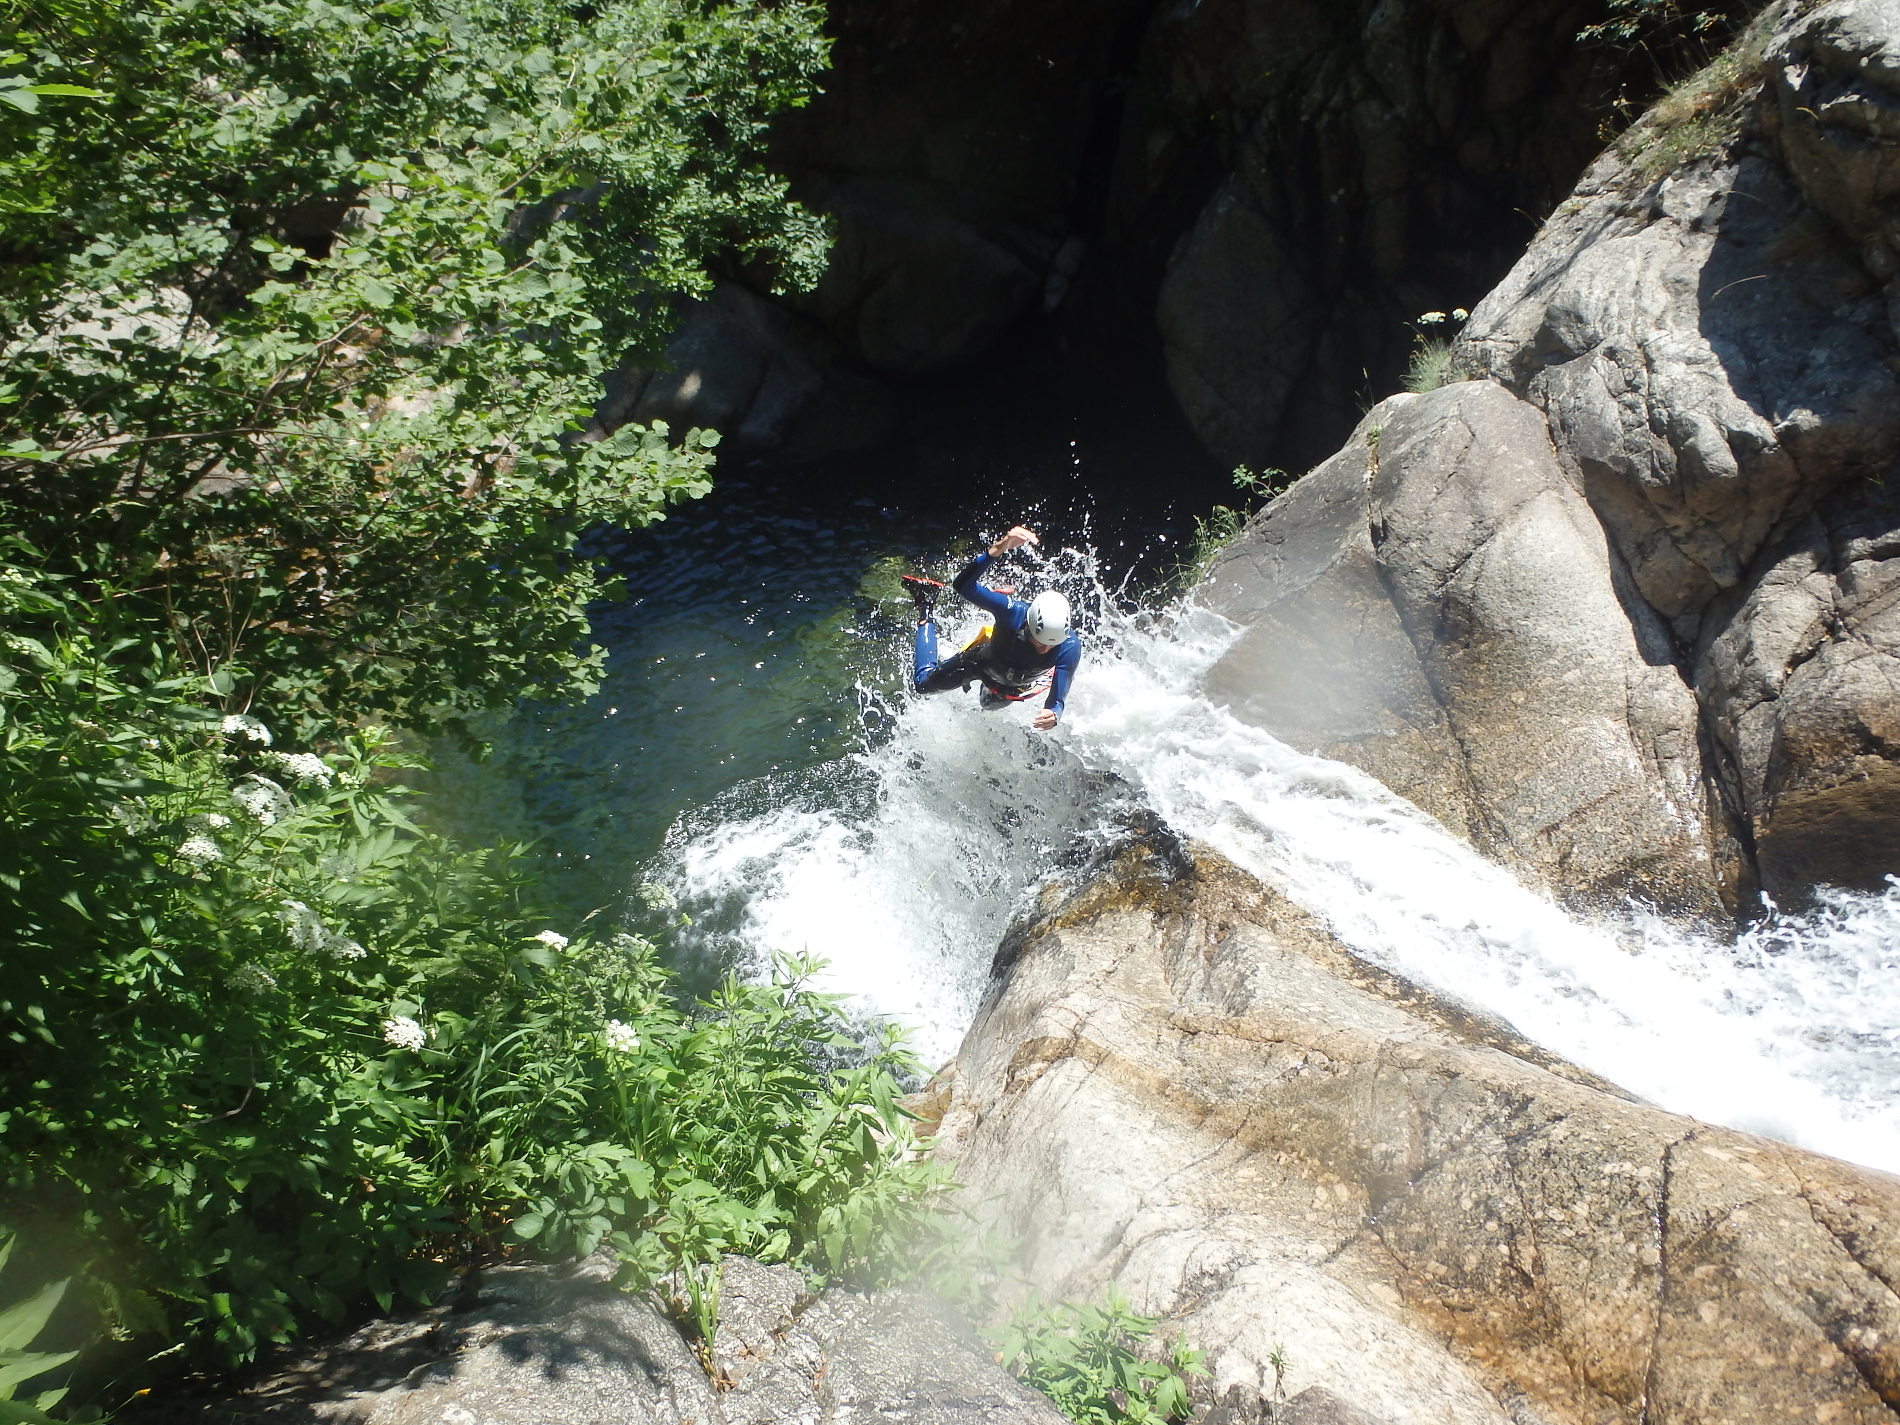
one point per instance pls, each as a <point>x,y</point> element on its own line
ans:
<point>969,582</point>
<point>1017,535</point>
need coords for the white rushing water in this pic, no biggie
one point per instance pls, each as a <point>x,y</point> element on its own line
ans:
<point>902,865</point>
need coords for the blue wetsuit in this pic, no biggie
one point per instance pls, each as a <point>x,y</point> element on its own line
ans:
<point>1006,662</point>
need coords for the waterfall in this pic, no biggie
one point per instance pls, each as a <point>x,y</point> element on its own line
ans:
<point>901,864</point>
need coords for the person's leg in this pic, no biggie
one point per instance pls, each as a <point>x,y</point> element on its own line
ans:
<point>923,660</point>
<point>930,676</point>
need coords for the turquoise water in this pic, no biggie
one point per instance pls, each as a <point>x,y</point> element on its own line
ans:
<point>762,633</point>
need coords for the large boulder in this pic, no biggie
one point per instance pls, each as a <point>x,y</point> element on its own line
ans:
<point>1837,106</point>
<point>1802,674</point>
<point>1331,1178</point>
<point>1438,605</point>
<point>1715,341</point>
<point>1620,609</point>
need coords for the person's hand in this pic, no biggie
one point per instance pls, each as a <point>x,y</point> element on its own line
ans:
<point>1017,536</point>
<point>1043,720</point>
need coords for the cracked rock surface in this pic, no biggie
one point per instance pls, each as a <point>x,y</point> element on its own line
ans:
<point>1188,1087</point>
<point>1438,605</point>
<point>1628,604</point>
<point>530,1345</point>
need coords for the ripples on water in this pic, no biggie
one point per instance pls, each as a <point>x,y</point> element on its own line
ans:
<point>901,860</point>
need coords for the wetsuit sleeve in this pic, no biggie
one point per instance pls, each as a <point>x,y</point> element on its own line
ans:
<point>985,598</point>
<point>1066,663</point>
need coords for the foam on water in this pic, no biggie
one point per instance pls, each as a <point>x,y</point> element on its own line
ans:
<point>902,864</point>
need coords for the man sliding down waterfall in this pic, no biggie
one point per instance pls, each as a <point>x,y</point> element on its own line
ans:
<point>1025,645</point>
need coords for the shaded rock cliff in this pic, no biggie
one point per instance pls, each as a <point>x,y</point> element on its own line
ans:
<point>1243,201</point>
<point>1683,684</point>
<point>1185,1085</point>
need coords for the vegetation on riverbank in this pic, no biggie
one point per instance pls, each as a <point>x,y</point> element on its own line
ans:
<point>306,309</point>
<point>1098,1361</point>
<point>1223,523</point>
<point>278,1054</point>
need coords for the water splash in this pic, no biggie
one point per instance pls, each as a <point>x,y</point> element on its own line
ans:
<point>902,864</point>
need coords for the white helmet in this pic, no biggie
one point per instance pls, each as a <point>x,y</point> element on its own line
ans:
<point>1048,621</point>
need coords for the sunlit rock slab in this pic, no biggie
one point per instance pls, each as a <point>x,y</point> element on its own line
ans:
<point>530,1345</point>
<point>1439,606</point>
<point>1186,1086</point>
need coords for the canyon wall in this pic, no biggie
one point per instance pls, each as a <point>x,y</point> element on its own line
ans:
<point>1635,575</point>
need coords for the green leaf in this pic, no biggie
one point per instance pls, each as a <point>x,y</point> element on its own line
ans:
<point>15,1412</point>
<point>23,1321</point>
<point>18,1367</point>
<point>528,1225</point>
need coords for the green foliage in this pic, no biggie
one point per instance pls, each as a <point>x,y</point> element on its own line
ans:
<point>1700,115</point>
<point>271,1053</point>
<point>1088,1360</point>
<point>1642,21</point>
<point>1430,365</point>
<point>1222,523</point>
<point>19,91</point>
<point>21,1323</point>
<point>305,308</point>
<point>304,316</point>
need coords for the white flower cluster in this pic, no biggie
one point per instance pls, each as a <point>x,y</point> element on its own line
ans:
<point>1436,319</point>
<point>132,817</point>
<point>261,799</point>
<point>621,1038</point>
<point>242,727</point>
<point>198,849</point>
<point>12,580</point>
<point>211,821</point>
<point>552,938</point>
<point>307,768</point>
<point>655,897</point>
<point>250,979</point>
<point>309,934</point>
<point>403,1032</point>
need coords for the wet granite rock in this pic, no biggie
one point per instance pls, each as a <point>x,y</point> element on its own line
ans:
<point>1438,605</point>
<point>1187,1086</point>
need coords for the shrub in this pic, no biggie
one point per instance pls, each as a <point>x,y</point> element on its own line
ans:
<point>21,1322</point>
<point>1652,21</point>
<point>303,316</point>
<point>274,1055</point>
<point>1087,1359</point>
<point>1430,366</point>
<point>1701,114</point>
<point>1223,523</point>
